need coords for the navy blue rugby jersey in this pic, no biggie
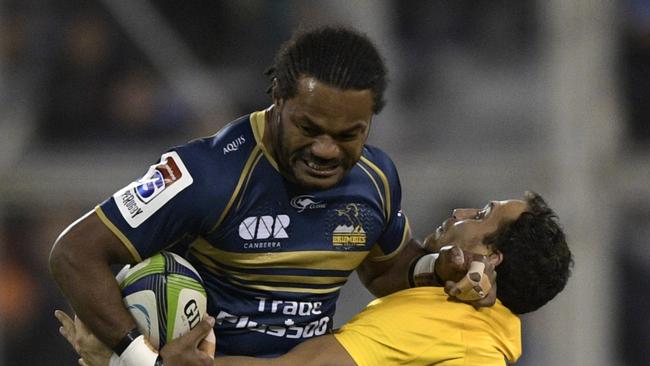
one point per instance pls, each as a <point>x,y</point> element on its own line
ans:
<point>273,255</point>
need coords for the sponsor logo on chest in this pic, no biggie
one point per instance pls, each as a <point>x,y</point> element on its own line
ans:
<point>263,230</point>
<point>294,313</point>
<point>306,202</point>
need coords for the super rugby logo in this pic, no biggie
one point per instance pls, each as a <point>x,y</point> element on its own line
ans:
<point>150,187</point>
<point>142,198</point>
<point>301,203</point>
<point>157,179</point>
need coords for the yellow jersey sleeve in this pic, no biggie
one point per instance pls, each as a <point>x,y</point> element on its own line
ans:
<point>421,327</point>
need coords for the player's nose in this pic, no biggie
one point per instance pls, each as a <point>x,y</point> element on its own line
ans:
<point>464,213</point>
<point>325,148</point>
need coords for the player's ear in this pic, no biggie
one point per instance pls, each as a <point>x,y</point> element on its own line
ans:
<point>495,258</point>
<point>274,93</point>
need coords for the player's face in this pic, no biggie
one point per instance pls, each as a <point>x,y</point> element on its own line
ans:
<point>321,132</point>
<point>467,227</point>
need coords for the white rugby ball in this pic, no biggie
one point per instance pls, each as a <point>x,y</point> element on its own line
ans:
<point>165,295</point>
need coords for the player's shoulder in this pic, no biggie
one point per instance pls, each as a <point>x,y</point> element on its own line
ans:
<point>220,157</point>
<point>227,150</point>
<point>236,137</point>
<point>378,159</point>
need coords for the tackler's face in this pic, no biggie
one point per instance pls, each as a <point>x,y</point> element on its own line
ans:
<point>467,227</point>
<point>320,132</point>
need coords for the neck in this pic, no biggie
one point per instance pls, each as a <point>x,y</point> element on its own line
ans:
<point>270,117</point>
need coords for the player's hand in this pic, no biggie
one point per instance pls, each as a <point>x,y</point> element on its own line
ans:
<point>196,348</point>
<point>92,351</point>
<point>467,277</point>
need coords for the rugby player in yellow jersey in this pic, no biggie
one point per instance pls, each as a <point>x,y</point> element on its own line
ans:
<point>424,326</point>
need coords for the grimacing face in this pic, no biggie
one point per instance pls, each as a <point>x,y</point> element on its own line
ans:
<point>320,132</point>
<point>467,227</point>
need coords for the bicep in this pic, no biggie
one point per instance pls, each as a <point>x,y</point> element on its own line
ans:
<point>89,238</point>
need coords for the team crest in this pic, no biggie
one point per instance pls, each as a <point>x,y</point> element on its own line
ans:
<point>351,232</point>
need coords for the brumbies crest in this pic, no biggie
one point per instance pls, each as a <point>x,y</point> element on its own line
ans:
<point>350,232</point>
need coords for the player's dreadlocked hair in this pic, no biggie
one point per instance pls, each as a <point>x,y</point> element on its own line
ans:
<point>536,258</point>
<point>337,56</point>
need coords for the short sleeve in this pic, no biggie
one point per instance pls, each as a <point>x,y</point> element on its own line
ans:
<point>158,209</point>
<point>396,232</point>
<point>184,195</point>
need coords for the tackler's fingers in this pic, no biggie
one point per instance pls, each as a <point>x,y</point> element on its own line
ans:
<point>67,328</point>
<point>209,344</point>
<point>475,285</point>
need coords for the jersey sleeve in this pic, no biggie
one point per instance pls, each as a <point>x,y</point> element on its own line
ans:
<point>181,196</point>
<point>396,231</point>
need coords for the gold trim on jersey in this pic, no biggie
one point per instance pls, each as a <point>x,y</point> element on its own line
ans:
<point>377,255</point>
<point>322,260</point>
<point>244,174</point>
<point>258,124</point>
<point>233,278</point>
<point>383,178</point>
<point>374,181</point>
<point>290,289</point>
<point>312,280</point>
<point>248,179</point>
<point>127,243</point>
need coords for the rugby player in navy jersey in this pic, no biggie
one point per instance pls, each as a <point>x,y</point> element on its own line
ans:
<point>275,211</point>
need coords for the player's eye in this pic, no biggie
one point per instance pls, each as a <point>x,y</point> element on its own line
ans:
<point>308,130</point>
<point>348,136</point>
<point>479,215</point>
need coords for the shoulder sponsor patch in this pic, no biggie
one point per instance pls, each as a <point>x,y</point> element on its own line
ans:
<point>142,198</point>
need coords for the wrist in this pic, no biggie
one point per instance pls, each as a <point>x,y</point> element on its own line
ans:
<point>423,272</point>
<point>133,350</point>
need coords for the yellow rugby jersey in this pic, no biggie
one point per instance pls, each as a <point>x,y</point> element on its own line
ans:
<point>420,326</point>
<point>273,255</point>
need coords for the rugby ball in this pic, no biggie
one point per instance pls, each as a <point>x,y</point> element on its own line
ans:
<point>165,295</point>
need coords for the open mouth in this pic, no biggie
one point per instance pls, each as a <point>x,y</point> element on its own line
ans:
<point>320,170</point>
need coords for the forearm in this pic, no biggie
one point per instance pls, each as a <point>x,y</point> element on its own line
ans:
<point>248,361</point>
<point>80,264</point>
<point>318,351</point>
<point>382,279</point>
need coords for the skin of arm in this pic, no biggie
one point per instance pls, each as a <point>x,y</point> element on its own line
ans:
<point>80,264</point>
<point>320,351</point>
<point>382,278</point>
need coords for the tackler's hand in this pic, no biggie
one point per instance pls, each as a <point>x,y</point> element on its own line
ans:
<point>91,349</point>
<point>450,265</point>
<point>195,348</point>
<point>478,286</point>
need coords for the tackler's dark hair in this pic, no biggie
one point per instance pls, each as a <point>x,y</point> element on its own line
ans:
<point>536,262</point>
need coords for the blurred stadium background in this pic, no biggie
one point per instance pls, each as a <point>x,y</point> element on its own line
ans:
<point>488,98</point>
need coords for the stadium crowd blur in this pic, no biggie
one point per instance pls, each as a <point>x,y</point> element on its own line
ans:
<point>78,89</point>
